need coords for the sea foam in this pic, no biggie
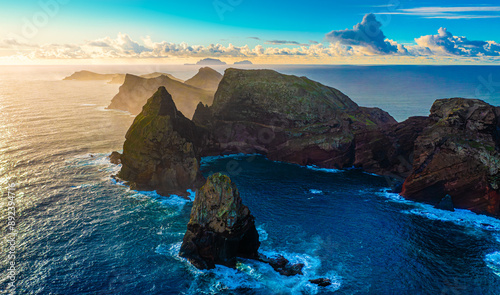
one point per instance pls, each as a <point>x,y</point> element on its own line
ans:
<point>493,262</point>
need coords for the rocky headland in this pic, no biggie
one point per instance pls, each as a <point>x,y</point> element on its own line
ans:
<point>453,151</point>
<point>136,90</point>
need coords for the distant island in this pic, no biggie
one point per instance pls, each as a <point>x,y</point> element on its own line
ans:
<point>243,62</point>
<point>210,62</point>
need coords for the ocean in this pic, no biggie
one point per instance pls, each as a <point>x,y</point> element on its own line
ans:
<point>81,232</point>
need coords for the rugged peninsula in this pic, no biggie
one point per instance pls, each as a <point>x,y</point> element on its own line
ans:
<point>453,151</point>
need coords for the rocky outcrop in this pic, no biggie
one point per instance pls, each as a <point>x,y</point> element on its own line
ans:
<point>220,228</point>
<point>281,265</point>
<point>457,154</point>
<point>206,78</point>
<point>136,90</point>
<point>322,282</point>
<point>454,151</point>
<point>287,118</point>
<point>446,204</point>
<point>161,150</point>
<point>115,158</point>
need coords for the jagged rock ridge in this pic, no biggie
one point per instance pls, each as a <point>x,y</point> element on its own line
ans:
<point>135,91</point>
<point>161,150</point>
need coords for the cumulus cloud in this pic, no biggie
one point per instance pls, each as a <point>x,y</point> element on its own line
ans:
<point>365,40</point>
<point>14,43</point>
<point>446,44</point>
<point>367,35</point>
<point>124,47</point>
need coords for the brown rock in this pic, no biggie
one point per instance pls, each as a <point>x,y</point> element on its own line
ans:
<point>135,92</point>
<point>221,228</point>
<point>161,150</point>
<point>458,155</point>
<point>115,158</point>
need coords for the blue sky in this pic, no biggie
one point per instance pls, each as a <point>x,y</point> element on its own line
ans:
<point>235,21</point>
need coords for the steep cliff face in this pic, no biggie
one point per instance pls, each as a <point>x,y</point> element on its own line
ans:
<point>136,90</point>
<point>206,78</point>
<point>458,155</point>
<point>220,228</point>
<point>388,149</point>
<point>288,118</point>
<point>161,150</point>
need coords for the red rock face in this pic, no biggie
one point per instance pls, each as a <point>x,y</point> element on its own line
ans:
<point>457,155</point>
<point>287,118</point>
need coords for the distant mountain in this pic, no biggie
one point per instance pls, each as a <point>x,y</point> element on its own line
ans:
<point>112,78</point>
<point>135,91</point>
<point>90,76</point>
<point>210,62</point>
<point>206,78</point>
<point>243,62</point>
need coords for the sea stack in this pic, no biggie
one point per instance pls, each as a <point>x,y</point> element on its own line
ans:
<point>161,150</point>
<point>220,228</point>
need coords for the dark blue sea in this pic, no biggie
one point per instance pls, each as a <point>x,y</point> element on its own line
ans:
<point>81,232</point>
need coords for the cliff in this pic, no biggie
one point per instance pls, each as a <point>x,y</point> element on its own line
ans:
<point>454,151</point>
<point>287,118</point>
<point>457,154</point>
<point>206,78</point>
<point>161,149</point>
<point>135,91</point>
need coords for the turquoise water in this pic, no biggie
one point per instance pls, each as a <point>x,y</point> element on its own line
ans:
<point>80,232</point>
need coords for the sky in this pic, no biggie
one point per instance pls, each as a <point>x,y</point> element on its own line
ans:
<point>301,32</point>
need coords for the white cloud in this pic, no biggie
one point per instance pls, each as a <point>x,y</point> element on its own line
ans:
<point>472,12</point>
<point>445,43</point>
<point>368,36</point>
<point>365,40</point>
